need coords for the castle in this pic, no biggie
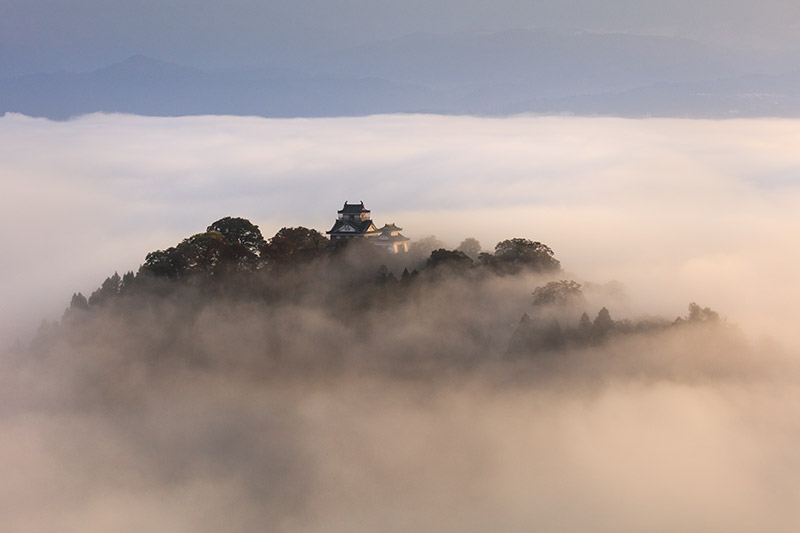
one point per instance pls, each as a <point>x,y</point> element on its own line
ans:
<point>354,221</point>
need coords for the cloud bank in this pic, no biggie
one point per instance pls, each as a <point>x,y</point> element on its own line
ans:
<point>677,210</point>
<point>666,432</point>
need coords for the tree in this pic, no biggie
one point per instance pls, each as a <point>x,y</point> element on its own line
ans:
<point>535,337</point>
<point>551,337</point>
<point>486,259</point>
<point>109,289</point>
<point>408,277</point>
<point>78,302</point>
<point>244,241</point>
<point>521,341</point>
<point>78,307</point>
<point>420,249</point>
<point>198,254</point>
<point>451,258</point>
<point>385,276</point>
<point>564,292</point>
<point>292,245</point>
<point>239,231</point>
<point>701,314</point>
<point>128,280</point>
<point>513,255</point>
<point>168,263</point>
<point>602,323</point>
<point>471,247</point>
<point>202,253</point>
<point>584,328</point>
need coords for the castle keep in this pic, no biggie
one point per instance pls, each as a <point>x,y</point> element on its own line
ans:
<point>354,221</point>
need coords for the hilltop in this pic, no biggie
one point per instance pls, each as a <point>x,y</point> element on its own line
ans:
<point>229,298</point>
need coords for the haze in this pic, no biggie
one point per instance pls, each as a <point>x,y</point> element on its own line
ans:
<point>45,35</point>
<point>682,430</point>
<point>676,210</point>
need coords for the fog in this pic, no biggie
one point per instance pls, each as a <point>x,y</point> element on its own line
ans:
<point>676,210</point>
<point>241,415</point>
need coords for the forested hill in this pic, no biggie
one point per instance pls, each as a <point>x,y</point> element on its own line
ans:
<point>229,298</point>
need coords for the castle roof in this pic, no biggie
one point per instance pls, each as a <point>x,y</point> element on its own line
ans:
<point>390,227</point>
<point>386,236</point>
<point>353,209</point>
<point>352,227</point>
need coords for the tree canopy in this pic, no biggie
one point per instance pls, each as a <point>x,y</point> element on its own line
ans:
<point>562,292</point>
<point>513,255</point>
<point>360,283</point>
<point>471,247</point>
<point>453,258</point>
<point>290,245</point>
<point>244,241</point>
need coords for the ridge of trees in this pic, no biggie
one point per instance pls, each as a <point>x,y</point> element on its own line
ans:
<point>546,333</point>
<point>233,258</point>
<point>234,246</point>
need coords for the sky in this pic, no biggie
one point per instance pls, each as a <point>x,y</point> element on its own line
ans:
<point>51,35</point>
<point>707,209</point>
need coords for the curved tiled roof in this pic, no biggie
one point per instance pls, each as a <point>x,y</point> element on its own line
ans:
<point>361,227</point>
<point>353,209</point>
<point>390,227</point>
<point>392,238</point>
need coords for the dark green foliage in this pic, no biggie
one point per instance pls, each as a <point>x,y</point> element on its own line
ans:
<point>407,277</point>
<point>513,255</point>
<point>533,337</point>
<point>78,303</point>
<point>294,245</point>
<point>228,246</point>
<point>485,259</point>
<point>454,259</point>
<point>200,254</point>
<point>564,292</point>
<point>243,242</point>
<point>603,323</point>
<point>128,280</point>
<point>203,254</point>
<point>552,337</point>
<point>77,310</point>
<point>384,276</point>
<point>584,330</point>
<point>167,263</point>
<point>352,283</point>
<point>109,289</point>
<point>239,233</point>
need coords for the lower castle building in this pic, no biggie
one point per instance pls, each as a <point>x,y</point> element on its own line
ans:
<point>354,221</point>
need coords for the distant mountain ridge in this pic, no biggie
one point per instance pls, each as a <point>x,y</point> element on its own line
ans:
<point>754,95</point>
<point>146,86</point>
<point>604,60</point>
<point>515,71</point>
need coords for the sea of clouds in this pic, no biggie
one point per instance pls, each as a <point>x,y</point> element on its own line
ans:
<point>675,431</point>
<point>677,210</point>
